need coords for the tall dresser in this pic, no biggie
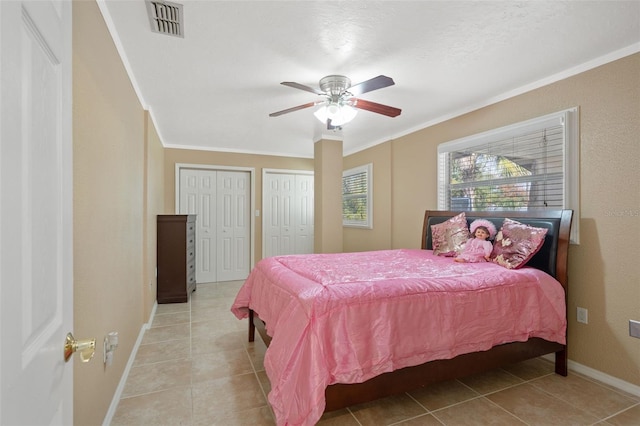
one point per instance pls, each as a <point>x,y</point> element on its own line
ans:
<point>176,257</point>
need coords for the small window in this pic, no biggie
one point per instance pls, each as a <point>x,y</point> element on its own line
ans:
<point>357,197</point>
<point>528,165</point>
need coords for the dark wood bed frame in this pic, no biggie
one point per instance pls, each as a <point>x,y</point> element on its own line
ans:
<point>552,258</point>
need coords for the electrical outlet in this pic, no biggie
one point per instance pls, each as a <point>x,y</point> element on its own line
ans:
<point>634,328</point>
<point>583,315</point>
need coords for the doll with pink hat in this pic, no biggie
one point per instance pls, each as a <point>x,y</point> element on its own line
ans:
<point>478,248</point>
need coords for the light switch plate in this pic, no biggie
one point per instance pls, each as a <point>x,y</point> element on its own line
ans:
<point>634,328</point>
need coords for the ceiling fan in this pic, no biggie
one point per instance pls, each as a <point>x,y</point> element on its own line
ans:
<point>339,101</point>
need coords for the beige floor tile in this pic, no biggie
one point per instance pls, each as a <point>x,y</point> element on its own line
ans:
<point>256,351</point>
<point>215,328</point>
<point>531,369</point>
<point>424,420</point>
<point>264,382</point>
<point>209,341</point>
<point>170,407</point>
<point>171,319</point>
<point>536,407</point>
<point>222,304</point>
<point>224,289</point>
<point>163,351</point>
<point>338,418</point>
<point>478,411</point>
<point>584,394</point>
<point>491,381</point>
<point>158,376</point>
<point>212,314</point>
<point>229,288</point>
<point>388,410</point>
<point>261,416</point>
<point>172,308</point>
<point>634,397</point>
<point>166,333</point>
<point>629,417</point>
<point>225,396</point>
<point>440,395</point>
<point>219,364</point>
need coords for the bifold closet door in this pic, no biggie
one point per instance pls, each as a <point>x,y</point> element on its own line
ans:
<point>288,213</point>
<point>233,217</point>
<point>198,196</point>
<point>220,199</point>
<point>278,226</point>
<point>303,211</point>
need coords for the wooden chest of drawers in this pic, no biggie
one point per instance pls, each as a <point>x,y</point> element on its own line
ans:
<point>176,257</point>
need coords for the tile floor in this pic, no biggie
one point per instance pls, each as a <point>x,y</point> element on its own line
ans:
<point>195,367</point>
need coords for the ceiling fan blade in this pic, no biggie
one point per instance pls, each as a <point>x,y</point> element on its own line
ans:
<point>387,110</point>
<point>295,108</point>
<point>373,84</point>
<point>302,87</point>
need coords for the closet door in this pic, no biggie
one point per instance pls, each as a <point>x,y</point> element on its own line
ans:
<point>287,213</point>
<point>278,211</point>
<point>233,230</point>
<point>303,223</point>
<point>198,196</point>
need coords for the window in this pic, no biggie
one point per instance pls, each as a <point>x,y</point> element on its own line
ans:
<point>357,197</point>
<point>532,164</point>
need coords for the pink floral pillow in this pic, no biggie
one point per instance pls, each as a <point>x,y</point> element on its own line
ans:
<point>447,238</point>
<point>516,243</point>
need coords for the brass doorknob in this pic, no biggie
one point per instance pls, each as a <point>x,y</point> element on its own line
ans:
<point>86,348</point>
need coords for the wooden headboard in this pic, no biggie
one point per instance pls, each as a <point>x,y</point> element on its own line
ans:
<point>552,257</point>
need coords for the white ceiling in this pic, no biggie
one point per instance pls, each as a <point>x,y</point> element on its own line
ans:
<point>214,88</point>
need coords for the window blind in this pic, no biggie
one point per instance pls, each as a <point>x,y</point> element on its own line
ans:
<point>356,197</point>
<point>524,166</point>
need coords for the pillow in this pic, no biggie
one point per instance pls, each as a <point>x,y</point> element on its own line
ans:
<point>447,238</point>
<point>516,243</point>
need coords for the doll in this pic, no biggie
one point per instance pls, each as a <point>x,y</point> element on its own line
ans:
<point>478,248</point>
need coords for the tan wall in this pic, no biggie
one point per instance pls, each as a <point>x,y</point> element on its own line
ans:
<point>357,239</point>
<point>154,196</point>
<point>213,158</point>
<point>604,271</point>
<point>117,169</point>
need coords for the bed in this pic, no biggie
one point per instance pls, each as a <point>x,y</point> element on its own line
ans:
<point>343,329</point>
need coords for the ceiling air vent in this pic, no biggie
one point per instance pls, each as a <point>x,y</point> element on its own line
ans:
<point>165,17</point>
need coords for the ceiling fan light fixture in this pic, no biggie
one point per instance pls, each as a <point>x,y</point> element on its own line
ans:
<point>345,115</point>
<point>337,113</point>
<point>322,114</point>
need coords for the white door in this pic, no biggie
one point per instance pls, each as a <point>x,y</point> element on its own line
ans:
<point>304,228</point>
<point>279,202</point>
<point>233,228</point>
<point>36,265</point>
<point>198,196</point>
<point>287,213</point>
<point>221,201</point>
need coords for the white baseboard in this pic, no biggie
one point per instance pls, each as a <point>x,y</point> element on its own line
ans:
<point>125,374</point>
<point>600,376</point>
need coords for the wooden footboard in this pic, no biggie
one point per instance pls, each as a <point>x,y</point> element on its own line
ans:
<point>410,378</point>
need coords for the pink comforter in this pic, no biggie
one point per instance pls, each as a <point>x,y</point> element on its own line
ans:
<point>344,318</point>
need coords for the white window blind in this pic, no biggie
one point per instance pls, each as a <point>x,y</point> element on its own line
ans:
<point>357,197</point>
<point>528,165</point>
